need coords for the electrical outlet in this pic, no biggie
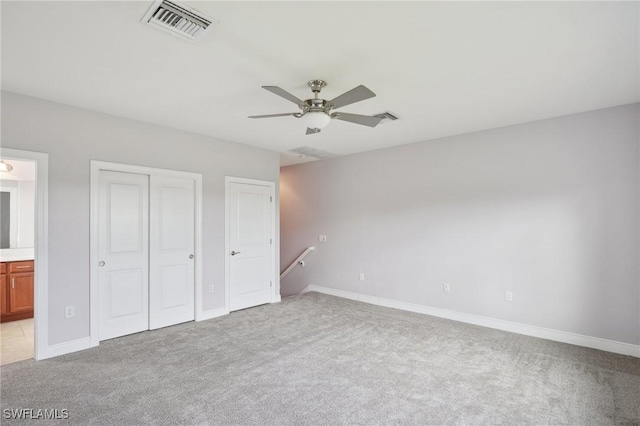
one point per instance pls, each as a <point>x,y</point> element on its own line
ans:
<point>211,288</point>
<point>69,311</point>
<point>508,296</point>
<point>322,238</point>
<point>361,276</point>
<point>446,288</point>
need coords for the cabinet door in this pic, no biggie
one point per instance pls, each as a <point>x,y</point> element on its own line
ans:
<point>3,294</point>
<point>20,292</point>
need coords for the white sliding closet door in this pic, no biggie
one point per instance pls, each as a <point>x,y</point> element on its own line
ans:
<point>171,295</point>
<point>123,277</point>
<point>146,245</point>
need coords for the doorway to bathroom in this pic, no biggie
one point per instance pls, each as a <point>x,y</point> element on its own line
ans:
<point>23,177</point>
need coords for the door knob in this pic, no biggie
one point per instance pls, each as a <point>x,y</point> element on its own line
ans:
<point>101,263</point>
<point>190,256</point>
<point>233,253</point>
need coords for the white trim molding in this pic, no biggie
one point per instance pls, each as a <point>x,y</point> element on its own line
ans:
<point>69,347</point>
<point>498,324</point>
<point>41,252</point>
<point>96,167</point>
<point>213,313</point>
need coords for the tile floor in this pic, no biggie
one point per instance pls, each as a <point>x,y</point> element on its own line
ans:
<point>16,341</point>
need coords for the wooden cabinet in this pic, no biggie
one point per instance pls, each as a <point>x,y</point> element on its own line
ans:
<point>3,294</point>
<point>16,293</point>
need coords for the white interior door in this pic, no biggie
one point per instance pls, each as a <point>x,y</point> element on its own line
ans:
<point>123,234</point>
<point>250,245</point>
<point>171,294</point>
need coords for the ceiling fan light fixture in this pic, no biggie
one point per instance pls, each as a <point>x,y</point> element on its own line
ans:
<point>4,167</point>
<point>316,119</point>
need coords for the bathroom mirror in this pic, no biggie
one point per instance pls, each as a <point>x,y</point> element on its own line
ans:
<point>17,205</point>
<point>8,217</point>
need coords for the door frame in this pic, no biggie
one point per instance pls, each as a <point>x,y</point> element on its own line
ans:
<point>96,167</point>
<point>275,287</point>
<point>41,249</point>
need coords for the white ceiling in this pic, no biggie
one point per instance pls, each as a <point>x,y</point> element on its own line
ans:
<point>444,68</point>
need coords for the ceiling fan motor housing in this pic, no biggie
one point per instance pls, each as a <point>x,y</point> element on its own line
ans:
<point>317,105</point>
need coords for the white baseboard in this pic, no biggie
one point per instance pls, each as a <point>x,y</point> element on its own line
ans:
<point>213,313</point>
<point>513,327</point>
<point>278,299</point>
<point>67,347</point>
<point>85,343</point>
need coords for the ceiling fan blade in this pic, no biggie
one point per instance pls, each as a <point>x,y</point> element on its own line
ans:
<point>357,94</point>
<point>311,131</point>
<point>365,120</point>
<point>295,114</point>
<point>283,93</point>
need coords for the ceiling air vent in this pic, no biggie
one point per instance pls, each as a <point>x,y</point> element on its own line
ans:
<point>307,151</point>
<point>177,19</point>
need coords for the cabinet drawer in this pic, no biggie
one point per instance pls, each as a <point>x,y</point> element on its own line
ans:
<point>3,268</point>
<point>26,266</point>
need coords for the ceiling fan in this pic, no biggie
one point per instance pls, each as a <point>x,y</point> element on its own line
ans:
<point>317,113</point>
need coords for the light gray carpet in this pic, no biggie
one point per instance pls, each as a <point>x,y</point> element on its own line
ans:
<point>317,359</point>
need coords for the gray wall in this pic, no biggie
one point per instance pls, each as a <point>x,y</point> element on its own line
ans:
<point>72,137</point>
<point>548,210</point>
